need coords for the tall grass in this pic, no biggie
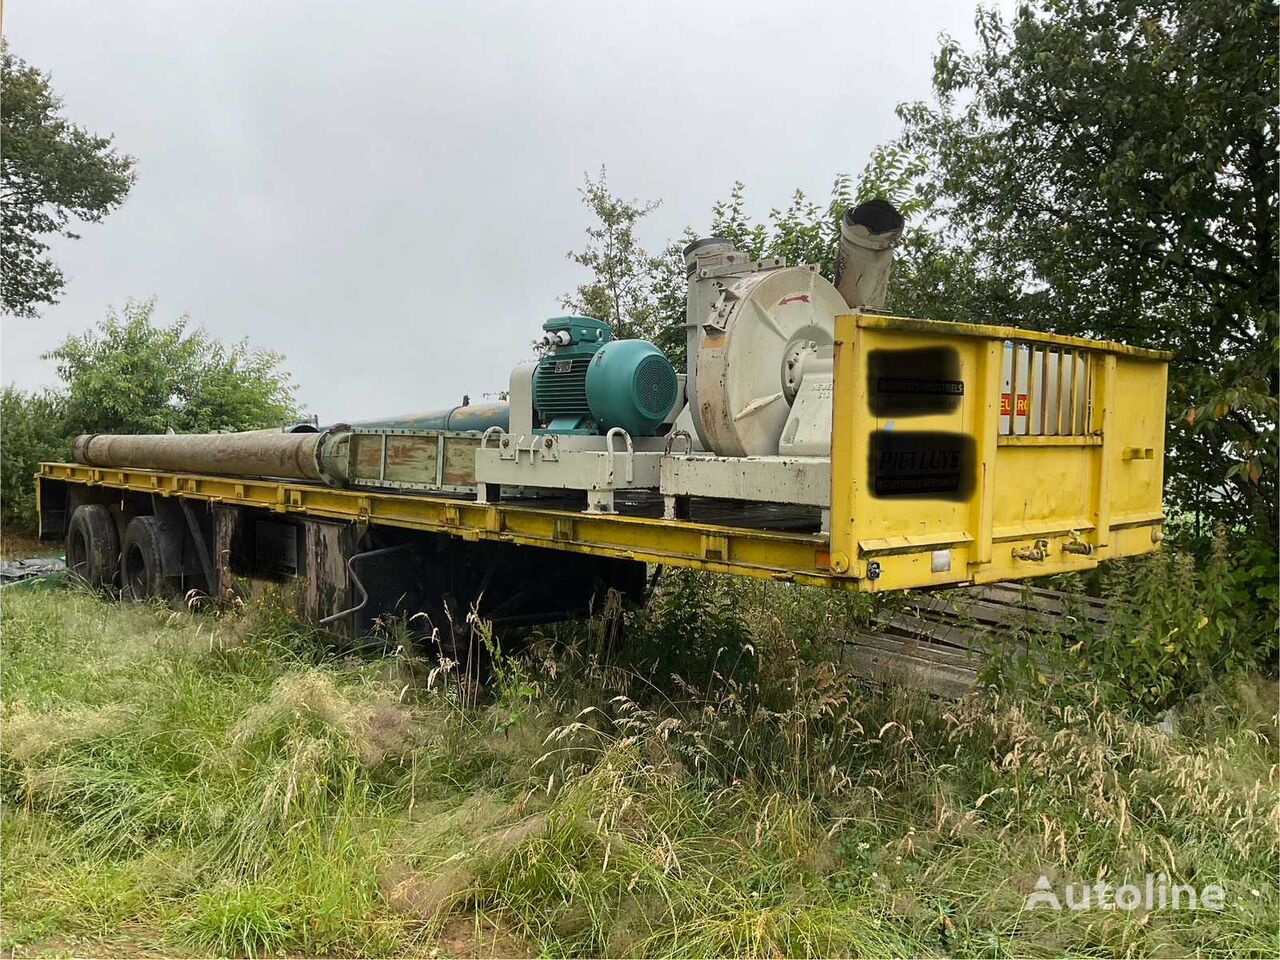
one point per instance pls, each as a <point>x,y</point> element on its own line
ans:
<point>718,786</point>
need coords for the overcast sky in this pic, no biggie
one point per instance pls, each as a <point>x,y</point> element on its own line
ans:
<point>386,191</point>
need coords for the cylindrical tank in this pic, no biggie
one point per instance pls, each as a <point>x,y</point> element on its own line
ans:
<point>476,416</point>
<point>631,384</point>
<point>258,453</point>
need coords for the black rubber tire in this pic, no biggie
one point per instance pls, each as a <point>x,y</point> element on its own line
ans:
<point>142,574</point>
<point>93,547</point>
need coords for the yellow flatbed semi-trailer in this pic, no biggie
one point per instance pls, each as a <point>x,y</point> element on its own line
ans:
<point>722,549</point>
<point>960,454</point>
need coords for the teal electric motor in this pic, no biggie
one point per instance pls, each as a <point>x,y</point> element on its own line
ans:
<point>587,382</point>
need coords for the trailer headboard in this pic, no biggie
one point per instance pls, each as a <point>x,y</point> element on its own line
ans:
<point>969,452</point>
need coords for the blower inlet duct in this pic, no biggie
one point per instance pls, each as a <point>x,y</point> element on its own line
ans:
<point>868,234</point>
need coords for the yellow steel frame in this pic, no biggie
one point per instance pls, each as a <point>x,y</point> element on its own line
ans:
<point>800,558</point>
<point>1040,504</point>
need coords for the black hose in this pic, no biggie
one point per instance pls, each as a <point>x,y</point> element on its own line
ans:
<point>351,573</point>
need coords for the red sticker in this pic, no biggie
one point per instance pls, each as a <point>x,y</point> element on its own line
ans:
<point>1006,404</point>
<point>802,297</point>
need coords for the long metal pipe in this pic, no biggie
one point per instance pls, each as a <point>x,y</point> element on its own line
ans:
<point>471,416</point>
<point>259,453</point>
<point>317,456</point>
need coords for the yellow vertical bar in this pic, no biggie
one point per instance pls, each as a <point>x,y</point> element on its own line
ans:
<point>986,419</point>
<point>1159,444</point>
<point>40,512</point>
<point>1106,452</point>
<point>848,443</point>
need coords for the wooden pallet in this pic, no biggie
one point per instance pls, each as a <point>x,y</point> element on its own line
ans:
<point>938,642</point>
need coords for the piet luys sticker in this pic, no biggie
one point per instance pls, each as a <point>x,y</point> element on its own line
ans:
<point>1006,404</point>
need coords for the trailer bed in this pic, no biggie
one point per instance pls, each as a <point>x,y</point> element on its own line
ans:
<point>761,540</point>
<point>1035,454</point>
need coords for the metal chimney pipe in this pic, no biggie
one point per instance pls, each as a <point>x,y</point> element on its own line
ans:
<point>868,234</point>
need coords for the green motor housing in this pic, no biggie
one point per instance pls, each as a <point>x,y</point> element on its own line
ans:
<point>631,384</point>
<point>588,383</point>
<point>560,382</point>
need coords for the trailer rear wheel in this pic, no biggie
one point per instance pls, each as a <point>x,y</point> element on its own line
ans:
<point>93,546</point>
<point>142,573</point>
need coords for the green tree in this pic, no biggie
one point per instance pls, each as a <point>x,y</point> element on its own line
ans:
<point>645,294</point>
<point>52,171</point>
<point>131,375</point>
<point>31,430</point>
<point>1110,169</point>
<point>670,288</point>
<point>621,291</point>
<point>802,232</point>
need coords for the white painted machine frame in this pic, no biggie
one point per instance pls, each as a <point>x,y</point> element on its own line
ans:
<point>597,466</point>
<point>797,481</point>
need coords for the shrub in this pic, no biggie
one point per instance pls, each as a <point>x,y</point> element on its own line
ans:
<point>1187,621</point>
<point>133,375</point>
<point>694,626</point>
<point>31,430</point>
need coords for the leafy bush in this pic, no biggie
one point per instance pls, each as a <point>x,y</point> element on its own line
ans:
<point>133,375</point>
<point>693,627</point>
<point>31,430</point>
<point>1183,622</point>
<point>1186,622</point>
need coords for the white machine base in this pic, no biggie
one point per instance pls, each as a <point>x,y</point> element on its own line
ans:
<point>597,466</point>
<point>799,481</point>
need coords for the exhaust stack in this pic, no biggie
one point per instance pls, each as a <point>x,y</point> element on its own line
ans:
<point>868,234</point>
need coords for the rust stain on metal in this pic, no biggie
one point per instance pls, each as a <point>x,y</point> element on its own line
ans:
<point>412,459</point>
<point>460,461</point>
<point>368,454</point>
<point>325,589</point>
